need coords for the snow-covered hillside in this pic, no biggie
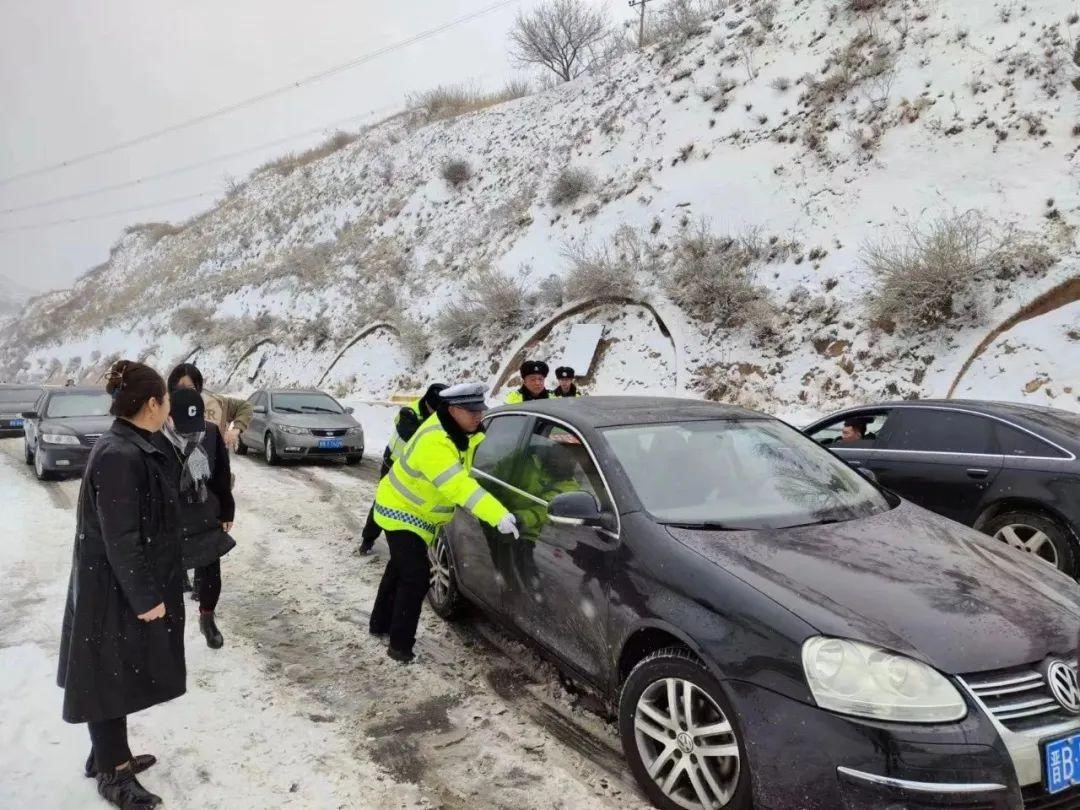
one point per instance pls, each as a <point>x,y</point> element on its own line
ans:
<point>787,140</point>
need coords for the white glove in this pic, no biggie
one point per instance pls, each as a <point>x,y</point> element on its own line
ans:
<point>508,525</point>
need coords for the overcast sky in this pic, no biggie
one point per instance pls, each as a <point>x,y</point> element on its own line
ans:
<point>78,76</point>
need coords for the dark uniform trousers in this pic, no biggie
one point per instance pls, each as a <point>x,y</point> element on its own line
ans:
<point>110,743</point>
<point>402,590</point>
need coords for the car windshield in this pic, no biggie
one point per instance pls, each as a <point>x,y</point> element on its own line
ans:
<point>745,474</point>
<point>88,404</point>
<point>9,395</point>
<point>305,403</point>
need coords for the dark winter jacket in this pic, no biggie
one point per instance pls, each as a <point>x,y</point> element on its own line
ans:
<point>126,562</point>
<point>204,541</point>
<point>406,424</point>
<point>573,392</point>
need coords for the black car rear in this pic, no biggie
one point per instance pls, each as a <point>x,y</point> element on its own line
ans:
<point>14,400</point>
<point>1009,470</point>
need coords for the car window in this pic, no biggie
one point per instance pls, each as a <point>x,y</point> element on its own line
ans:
<point>306,403</point>
<point>88,404</point>
<point>871,424</point>
<point>739,474</point>
<point>942,431</point>
<point>497,455</point>
<point>556,460</point>
<point>1016,442</point>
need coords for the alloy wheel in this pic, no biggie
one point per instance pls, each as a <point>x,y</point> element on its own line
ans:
<point>687,744</point>
<point>1030,539</point>
<point>269,450</point>
<point>439,554</point>
<point>39,467</point>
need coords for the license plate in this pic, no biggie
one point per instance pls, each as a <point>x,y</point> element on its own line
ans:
<point>331,444</point>
<point>1061,763</point>
<point>15,423</point>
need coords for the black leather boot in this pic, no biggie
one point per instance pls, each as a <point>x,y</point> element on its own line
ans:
<point>139,763</point>
<point>214,639</point>
<point>122,789</point>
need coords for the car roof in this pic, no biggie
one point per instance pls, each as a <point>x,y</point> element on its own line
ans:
<point>73,389</point>
<point>38,386</point>
<point>989,407</point>
<point>609,411</point>
<point>294,391</point>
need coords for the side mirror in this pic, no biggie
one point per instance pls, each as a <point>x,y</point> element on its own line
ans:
<point>350,410</point>
<point>575,509</point>
<point>259,409</point>
<point>869,475</point>
<point>29,415</point>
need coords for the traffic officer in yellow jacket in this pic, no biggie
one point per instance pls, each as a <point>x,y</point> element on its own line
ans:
<point>406,423</point>
<point>533,378</point>
<point>429,480</point>
<point>564,383</point>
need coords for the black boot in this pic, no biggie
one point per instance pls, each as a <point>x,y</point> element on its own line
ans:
<point>139,763</point>
<point>122,789</point>
<point>213,636</point>
<point>399,655</point>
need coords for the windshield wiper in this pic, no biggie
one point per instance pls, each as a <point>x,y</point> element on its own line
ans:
<point>284,409</point>
<point>709,525</point>
<point>318,409</point>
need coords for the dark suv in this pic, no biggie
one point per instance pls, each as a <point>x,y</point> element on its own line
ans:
<point>14,399</point>
<point>772,629</point>
<point>1009,470</point>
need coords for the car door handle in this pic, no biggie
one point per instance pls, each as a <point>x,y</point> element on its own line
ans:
<point>977,473</point>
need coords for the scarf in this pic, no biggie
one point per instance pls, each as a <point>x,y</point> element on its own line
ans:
<point>195,466</point>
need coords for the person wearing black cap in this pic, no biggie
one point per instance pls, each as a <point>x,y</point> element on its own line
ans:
<point>207,507</point>
<point>430,480</point>
<point>406,423</point>
<point>533,376</point>
<point>566,386</point>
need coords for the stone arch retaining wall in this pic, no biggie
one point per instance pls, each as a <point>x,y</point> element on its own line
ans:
<point>363,333</point>
<point>246,355</point>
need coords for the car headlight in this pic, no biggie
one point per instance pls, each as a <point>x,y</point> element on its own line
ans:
<point>355,431</point>
<point>59,438</point>
<point>296,431</point>
<point>862,680</point>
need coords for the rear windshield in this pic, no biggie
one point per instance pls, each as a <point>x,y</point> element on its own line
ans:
<point>305,403</point>
<point>63,405</point>
<point>29,395</point>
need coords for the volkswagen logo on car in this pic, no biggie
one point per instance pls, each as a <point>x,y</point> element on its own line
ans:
<point>1063,686</point>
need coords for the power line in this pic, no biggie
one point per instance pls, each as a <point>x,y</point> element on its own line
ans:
<point>192,166</point>
<point>248,102</point>
<point>104,214</point>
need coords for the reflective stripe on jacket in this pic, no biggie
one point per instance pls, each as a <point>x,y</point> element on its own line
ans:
<point>397,444</point>
<point>429,481</point>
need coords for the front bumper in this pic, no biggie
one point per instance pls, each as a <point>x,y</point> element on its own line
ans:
<point>803,757</point>
<point>295,446</point>
<point>64,458</point>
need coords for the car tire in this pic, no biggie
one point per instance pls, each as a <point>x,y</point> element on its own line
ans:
<point>353,460</point>
<point>39,468</point>
<point>272,457</point>
<point>1035,533</point>
<point>657,736</point>
<point>28,454</point>
<point>241,448</point>
<point>443,594</point>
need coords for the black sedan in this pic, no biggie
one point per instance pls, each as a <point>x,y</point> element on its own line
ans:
<point>62,428</point>
<point>771,628</point>
<point>14,399</point>
<point>1009,470</point>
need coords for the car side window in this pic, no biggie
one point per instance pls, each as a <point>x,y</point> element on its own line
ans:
<point>1020,443</point>
<point>867,429</point>
<point>497,454</point>
<point>942,431</point>
<point>557,461</point>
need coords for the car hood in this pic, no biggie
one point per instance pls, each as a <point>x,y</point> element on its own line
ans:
<point>910,581</point>
<point>79,425</point>
<point>321,421</point>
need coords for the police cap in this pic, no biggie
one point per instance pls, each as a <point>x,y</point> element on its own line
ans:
<point>533,367</point>
<point>470,396</point>
<point>564,373</point>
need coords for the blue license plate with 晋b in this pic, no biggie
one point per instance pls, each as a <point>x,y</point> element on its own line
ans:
<point>331,444</point>
<point>1061,763</point>
<point>16,423</point>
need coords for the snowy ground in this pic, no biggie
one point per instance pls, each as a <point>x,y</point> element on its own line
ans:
<point>300,709</point>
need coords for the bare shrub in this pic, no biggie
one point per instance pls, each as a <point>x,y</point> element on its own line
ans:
<point>607,270</point>
<point>780,84</point>
<point>154,232</point>
<point>450,101</point>
<point>288,163</point>
<point>456,171</point>
<point>936,272</point>
<point>190,321</point>
<point>552,291</point>
<point>714,278</point>
<point>859,6</point>
<point>559,35</point>
<point>865,57</point>
<point>570,184</point>
<point>413,338</point>
<point>682,20</point>
<point>489,297</point>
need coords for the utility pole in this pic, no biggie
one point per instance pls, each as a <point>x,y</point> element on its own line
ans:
<point>641,24</point>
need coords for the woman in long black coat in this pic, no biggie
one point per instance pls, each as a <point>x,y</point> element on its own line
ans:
<point>122,644</point>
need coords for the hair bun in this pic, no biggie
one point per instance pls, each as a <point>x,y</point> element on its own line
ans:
<point>114,377</point>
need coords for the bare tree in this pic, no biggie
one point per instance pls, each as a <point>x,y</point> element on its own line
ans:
<point>558,35</point>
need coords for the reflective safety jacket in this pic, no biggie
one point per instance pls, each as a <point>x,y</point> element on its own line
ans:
<point>397,443</point>
<point>574,392</point>
<point>429,480</point>
<point>519,395</point>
